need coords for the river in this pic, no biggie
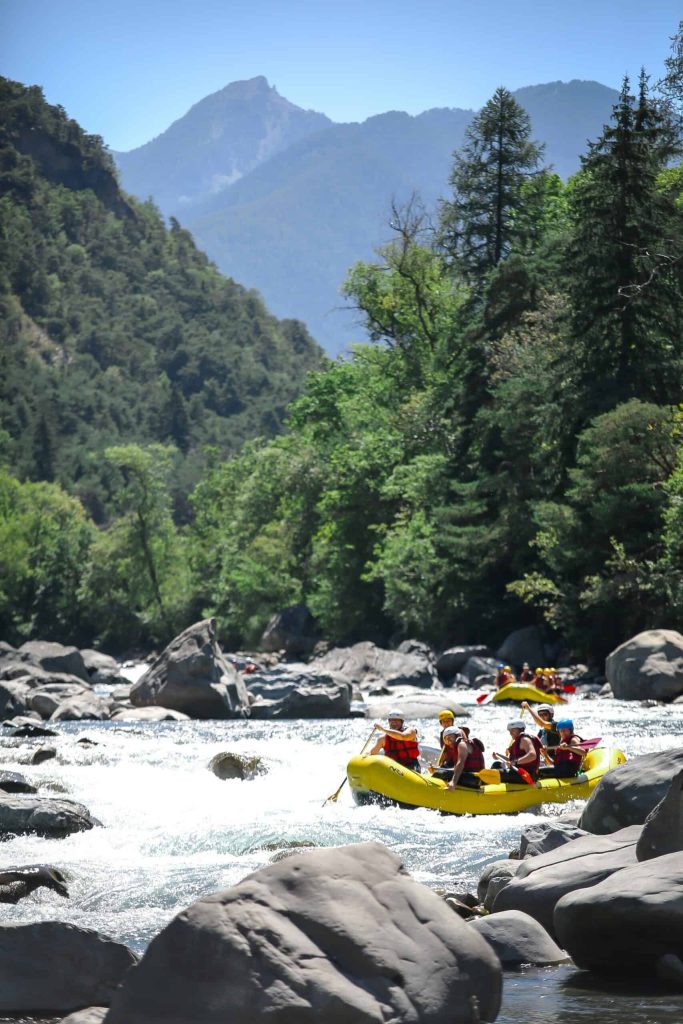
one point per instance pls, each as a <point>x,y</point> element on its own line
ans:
<point>174,832</point>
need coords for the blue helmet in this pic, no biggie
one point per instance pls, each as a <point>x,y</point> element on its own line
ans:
<point>565,723</point>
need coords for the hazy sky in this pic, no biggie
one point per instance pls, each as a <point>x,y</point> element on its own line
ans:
<point>125,69</point>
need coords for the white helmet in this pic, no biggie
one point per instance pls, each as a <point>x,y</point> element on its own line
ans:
<point>452,730</point>
<point>516,723</point>
<point>545,707</point>
<point>395,714</point>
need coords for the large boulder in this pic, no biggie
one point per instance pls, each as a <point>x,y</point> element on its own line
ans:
<point>542,881</point>
<point>478,669</point>
<point>544,836</point>
<point>192,675</point>
<point>493,878</point>
<point>316,701</point>
<point>45,699</point>
<point>292,630</point>
<point>23,815</point>
<point>344,936</point>
<point>365,663</point>
<point>102,668</point>
<point>13,699</point>
<point>523,645</point>
<point>92,1015</point>
<point>57,968</point>
<point>55,658</point>
<point>627,794</point>
<point>649,665</point>
<point>83,707</point>
<point>627,923</point>
<point>518,939</point>
<point>453,660</point>
<point>663,829</point>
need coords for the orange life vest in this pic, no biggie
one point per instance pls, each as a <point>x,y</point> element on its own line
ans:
<point>474,762</point>
<point>515,751</point>
<point>402,751</point>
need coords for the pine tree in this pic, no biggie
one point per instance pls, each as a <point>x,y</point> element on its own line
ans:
<point>626,304</point>
<point>478,224</point>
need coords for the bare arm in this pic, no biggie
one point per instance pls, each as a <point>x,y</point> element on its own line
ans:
<point>529,754</point>
<point>459,764</point>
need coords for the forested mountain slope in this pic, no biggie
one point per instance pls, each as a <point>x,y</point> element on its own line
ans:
<point>114,328</point>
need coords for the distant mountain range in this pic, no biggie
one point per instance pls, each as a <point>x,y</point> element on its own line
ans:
<point>284,200</point>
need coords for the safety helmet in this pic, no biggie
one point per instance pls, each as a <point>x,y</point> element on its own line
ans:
<point>538,671</point>
<point>544,707</point>
<point>445,714</point>
<point>516,723</point>
<point>508,669</point>
<point>501,665</point>
<point>452,730</point>
<point>525,665</point>
<point>547,671</point>
<point>395,714</point>
<point>565,723</point>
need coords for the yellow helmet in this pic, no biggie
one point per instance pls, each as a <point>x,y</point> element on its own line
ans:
<point>547,671</point>
<point>539,671</point>
<point>508,669</point>
<point>445,714</point>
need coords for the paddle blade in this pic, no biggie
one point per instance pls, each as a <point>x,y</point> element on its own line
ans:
<point>525,775</point>
<point>569,688</point>
<point>484,697</point>
<point>589,744</point>
<point>489,776</point>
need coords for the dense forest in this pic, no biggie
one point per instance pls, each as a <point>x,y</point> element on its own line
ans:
<point>507,450</point>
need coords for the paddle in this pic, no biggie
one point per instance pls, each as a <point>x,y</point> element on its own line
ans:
<point>522,772</point>
<point>589,744</point>
<point>484,698</point>
<point>333,798</point>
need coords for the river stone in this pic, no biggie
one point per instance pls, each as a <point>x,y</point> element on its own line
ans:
<point>56,967</point>
<point>148,715</point>
<point>23,815</point>
<point>663,829</point>
<point>478,668</point>
<point>43,754</point>
<point>316,701</point>
<point>192,675</point>
<point>522,645</point>
<point>13,782</point>
<point>343,936</point>
<point>235,766</point>
<point>542,881</point>
<point>45,699</point>
<point>55,658</point>
<point>627,793</point>
<point>82,707</point>
<point>16,883</point>
<point>292,630</point>
<point>629,921</point>
<point>102,668</point>
<point>518,939</point>
<point>93,1015</point>
<point>27,726</point>
<point>13,698</point>
<point>493,878</point>
<point>649,665</point>
<point>543,836</point>
<point>364,663</point>
<point>450,662</point>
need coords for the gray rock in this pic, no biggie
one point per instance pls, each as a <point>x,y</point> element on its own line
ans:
<point>627,794</point>
<point>148,715</point>
<point>193,676</point>
<point>13,782</point>
<point>452,661</point>
<point>343,936</point>
<point>418,647</point>
<point>13,699</point>
<point>55,658</point>
<point>649,665</point>
<point>93,1015</point>
<point>25,726</point>
<point>58,968</point>
<point>43,754</point>
<point>84,707</point>
<point>663,829</point>
<point>628,922</point>
<point>23,815</point>
<point>523,645</point>
<point>543,836</point>
<point>518,939</point>
<point>542,881</point>
<point>16,883</point>
<point>45,698</point>
<point>306,701</point>
<point>103,669</point>
<point>493,878</point>
<point>293,630</point>
<point>365,663</point>
<point>477,667</point>
<point>235,766</point>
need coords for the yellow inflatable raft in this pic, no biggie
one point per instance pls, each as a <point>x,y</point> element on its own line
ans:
<point>378,778</point>
<point>522,691</point>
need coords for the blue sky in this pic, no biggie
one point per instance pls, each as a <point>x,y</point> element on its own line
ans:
<point>125,69</point>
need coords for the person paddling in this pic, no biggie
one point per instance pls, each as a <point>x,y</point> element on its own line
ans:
<point>524,752</point>
<point>544,716</point>
<point>399,741</point>
<point>568,755</point>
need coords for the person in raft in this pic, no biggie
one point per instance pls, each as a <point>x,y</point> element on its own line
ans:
<point>526,675</point>
<point>544,717</point>
<point>399,742</point>
<point>568,753</point>
<point>524,752</point>
<point>446,720</point>
<point>460,758</point>
<point>504,675</point>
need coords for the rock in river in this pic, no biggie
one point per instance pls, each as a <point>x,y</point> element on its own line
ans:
<point>627,794</point>
<point>23,815</point>
<point>649,665</point>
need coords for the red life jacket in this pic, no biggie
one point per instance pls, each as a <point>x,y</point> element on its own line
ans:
<point>515,752</point>
<point>572,757</point>
<point>526,675</point>
<point>474,762</point>
<point>403,751</point>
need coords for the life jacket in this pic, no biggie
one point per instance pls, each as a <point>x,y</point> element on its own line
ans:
<point>403,751</point>
<point>571,757</point>
<point>515,752</point>
<point>549,738</point>
<point>474,762</point>
<point>526,675</point>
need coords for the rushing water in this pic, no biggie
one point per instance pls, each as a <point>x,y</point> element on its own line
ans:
<point>173,832</point>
